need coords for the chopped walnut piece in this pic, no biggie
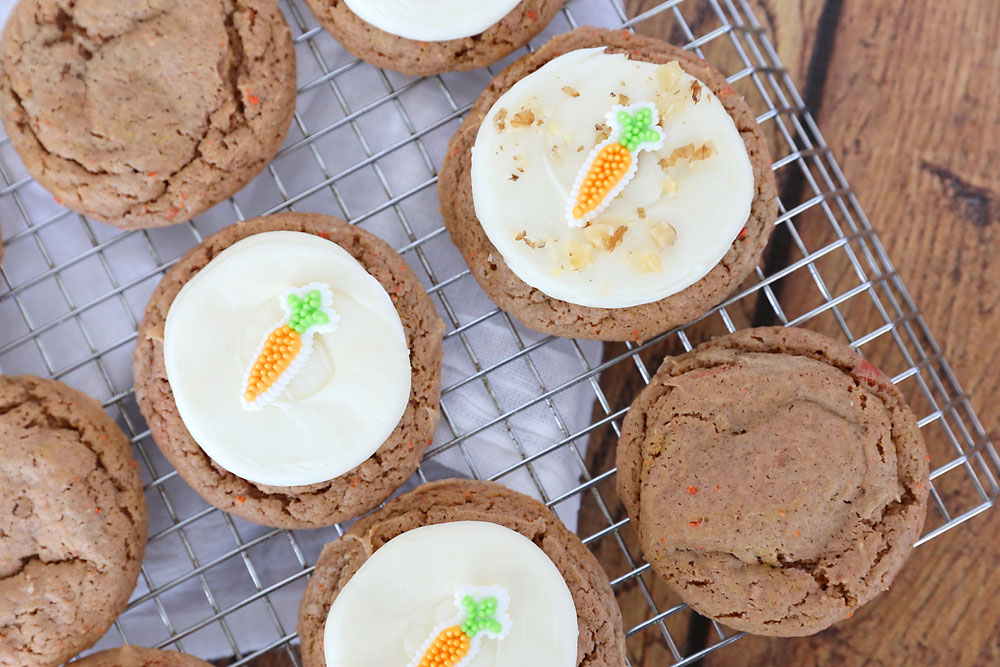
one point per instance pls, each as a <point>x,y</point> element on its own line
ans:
<point>623,99</point>
<point>649,262</point>
<point>500,119</point>
<point>663,233</point>
<point>705,151</point>
<point>670,104</point>
<point>641,212</point>
<point>669,186</point>
<point>668,74</point>
<point>523,236</point>
<point>604,235</point>
<point>555,151</point>
<point>571,91</point>
<point>695,91</point>
<point>513,177</point>
<point>580,149</point>
<point>681,153</point>
<point>603,131</point>
<point>523,118</point>
<point>581,256</point>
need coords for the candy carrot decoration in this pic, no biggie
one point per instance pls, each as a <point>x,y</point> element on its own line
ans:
<point>613,162</point>
<point>286,349</point>
<point>483,612</point>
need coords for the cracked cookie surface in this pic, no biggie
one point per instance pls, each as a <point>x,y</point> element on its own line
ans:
<point>548,315</point>
<point>601,640</point>
<point>72,522</point>
<point>146,113</point>
<point>414,57</point>
<point>343,497</point>
<point>777,479</point>
<point>136,656</point>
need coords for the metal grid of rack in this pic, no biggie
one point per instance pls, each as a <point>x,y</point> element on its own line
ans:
<point>72,292</point>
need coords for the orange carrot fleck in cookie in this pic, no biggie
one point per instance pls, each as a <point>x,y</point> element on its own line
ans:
<point>241,499</point>
<point>532,15</point>
<point>695,523</point>
<point>253,100</point>
<point>692,490</point>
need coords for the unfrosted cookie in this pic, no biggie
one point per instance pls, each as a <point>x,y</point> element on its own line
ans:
<point>72,522</point>
<point>136,656</point>
<point>380,470</point>
<point>670,240</point>
<point>433,37</point>
<point>600,639</point>
<point>777,479</point>
<point>146,113</point>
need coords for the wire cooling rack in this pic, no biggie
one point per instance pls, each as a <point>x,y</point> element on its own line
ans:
<point>73,290</point>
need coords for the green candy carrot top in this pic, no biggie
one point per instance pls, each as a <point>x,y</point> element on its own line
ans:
<point>613,162</point>
<point>454,643</point>
<point>287,346</point>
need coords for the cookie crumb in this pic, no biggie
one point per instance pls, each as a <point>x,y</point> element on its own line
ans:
<point>571,91</point>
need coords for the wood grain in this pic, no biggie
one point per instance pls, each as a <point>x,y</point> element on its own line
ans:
<point>908,98</point>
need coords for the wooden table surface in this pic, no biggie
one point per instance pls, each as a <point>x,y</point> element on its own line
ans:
<point>907,95</point>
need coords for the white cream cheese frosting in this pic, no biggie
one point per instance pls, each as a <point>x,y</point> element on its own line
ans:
<point>432,20</point>
<point>668,227</point>
<point>343,402</point>
<point>406,592</point>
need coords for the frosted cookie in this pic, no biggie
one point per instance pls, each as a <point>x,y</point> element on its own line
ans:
<point>143,114</point>
<point>434,35</point>
<point>608,186</point>
<point>135,656</point>
<point>777,479</point>
<point>289,368</point>
<point>72,523</point>
<point>460,572</point>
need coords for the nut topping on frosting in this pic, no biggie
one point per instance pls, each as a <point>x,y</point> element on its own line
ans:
<point>663,234</point>
<point>635,182</point>
<point>604,235</point>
